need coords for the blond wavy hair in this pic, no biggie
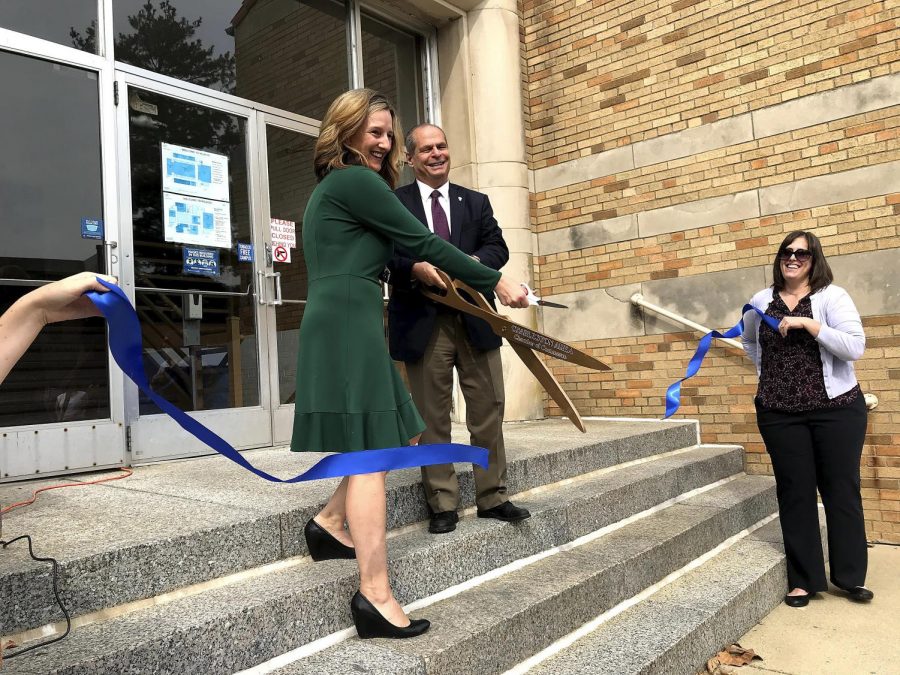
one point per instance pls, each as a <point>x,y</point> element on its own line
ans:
<point>346,115</point>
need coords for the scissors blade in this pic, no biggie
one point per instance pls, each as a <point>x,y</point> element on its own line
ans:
<point>539,369</point>
<point>545,344</point>
<point>510,330</point>
<point>548,303</point>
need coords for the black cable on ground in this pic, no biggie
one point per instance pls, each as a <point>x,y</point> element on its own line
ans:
<point>59,601</point>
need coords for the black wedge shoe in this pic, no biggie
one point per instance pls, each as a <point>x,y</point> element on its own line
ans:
<point>371,624</point>
<point>323,546</point>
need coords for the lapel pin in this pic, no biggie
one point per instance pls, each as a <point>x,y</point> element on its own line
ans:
<point>459,198</point>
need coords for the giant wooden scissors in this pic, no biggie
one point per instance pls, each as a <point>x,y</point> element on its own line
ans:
<point>523,341</point>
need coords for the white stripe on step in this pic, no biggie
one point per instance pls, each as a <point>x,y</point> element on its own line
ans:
<point>335,638</point>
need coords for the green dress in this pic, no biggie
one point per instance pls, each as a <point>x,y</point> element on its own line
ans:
<point>349,394</point>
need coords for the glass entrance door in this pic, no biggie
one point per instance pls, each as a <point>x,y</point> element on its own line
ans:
<point>286,159</point>
<point>189,174</point>
<point>60,408</point>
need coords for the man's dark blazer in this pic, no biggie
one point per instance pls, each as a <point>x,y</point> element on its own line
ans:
<point>473,230</point>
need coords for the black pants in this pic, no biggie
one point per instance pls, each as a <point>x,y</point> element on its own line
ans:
<point>819,448</point>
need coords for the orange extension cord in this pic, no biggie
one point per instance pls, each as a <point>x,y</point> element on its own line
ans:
<point>126,473</point>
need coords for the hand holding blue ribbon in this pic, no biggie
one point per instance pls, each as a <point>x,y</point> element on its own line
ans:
<point>673,393</point>
<point>127,350</point>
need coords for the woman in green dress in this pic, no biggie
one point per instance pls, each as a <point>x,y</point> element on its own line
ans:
<point>349,394</point>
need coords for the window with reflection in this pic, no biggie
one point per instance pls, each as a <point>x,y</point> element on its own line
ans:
<point>61,22</point>
<point>289,54</point>
<point>392,65</point>
<point>51,225</point>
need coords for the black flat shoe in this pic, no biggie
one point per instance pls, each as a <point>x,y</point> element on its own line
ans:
<point>443,522</point>
<point>371,624</point>
<point>323,546</point>
<point>798,600</point>
<point>506,511</point>
<point>859,594</point>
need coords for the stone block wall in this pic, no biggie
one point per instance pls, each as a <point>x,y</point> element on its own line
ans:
<point>671,146</point>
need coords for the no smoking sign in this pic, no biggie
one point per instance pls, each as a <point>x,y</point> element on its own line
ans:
<point>281,253</point>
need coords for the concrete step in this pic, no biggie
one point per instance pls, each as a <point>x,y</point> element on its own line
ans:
<point>252,620</point>
<point>176,524</point>
<point>491,628</point>
<point>677,629</point>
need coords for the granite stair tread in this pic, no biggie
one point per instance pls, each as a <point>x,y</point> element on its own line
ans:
<point>675,630</point>
<point>491,628</point>
<point>126,540</point>
<point>250,621</point>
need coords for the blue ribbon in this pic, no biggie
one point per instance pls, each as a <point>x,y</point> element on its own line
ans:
<point>673,393</point>
<point>127,350</point>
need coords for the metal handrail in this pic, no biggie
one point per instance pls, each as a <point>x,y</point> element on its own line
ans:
<point>638,301</point>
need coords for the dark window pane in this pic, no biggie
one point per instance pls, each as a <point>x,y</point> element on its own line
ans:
<point>69,22</point>
<point>184,39</point>
<point>289,54</point>
<point>291,181</point>
<point>392,66</point>
<point>45,193</point>
<point>292,55</point>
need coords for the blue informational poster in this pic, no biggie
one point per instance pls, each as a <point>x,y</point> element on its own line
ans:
<point>194,172</point>
<point>202,261</point>
<point>196,206</point>
<point>191,220</point>
<point>245,252</point>
<point>91,228</point>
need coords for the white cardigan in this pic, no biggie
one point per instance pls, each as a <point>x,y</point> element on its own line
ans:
<point>841,338</point>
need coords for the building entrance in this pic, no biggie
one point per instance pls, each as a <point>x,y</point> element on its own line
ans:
<point>170,144</point>
<point>214,211</point>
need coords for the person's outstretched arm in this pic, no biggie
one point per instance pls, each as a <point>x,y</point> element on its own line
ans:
<point>60,301</point>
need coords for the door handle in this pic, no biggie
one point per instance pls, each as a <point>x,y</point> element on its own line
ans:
<point>277,277</point>
<point>111,259</point>
<point>261,287</point>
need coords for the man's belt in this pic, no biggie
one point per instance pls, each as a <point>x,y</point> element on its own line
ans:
<point>523,340</point>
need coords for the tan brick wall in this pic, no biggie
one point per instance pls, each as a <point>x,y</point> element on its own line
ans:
<point>606,75</point>
<point>849,143</point>
<point>600,76</point>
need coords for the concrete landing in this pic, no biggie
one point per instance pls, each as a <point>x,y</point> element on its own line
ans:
<point>833,635</point>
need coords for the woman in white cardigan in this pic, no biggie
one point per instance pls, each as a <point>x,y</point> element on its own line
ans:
<point>812,416</point>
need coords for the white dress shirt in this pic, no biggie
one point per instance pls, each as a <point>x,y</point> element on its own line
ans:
<point>444,201</point>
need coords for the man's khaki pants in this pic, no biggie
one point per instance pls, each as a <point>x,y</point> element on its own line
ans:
<point>481,381</point>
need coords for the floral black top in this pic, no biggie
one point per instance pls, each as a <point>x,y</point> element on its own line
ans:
<point>791,378</point>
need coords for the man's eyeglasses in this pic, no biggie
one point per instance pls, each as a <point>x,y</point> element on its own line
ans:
<point>801,254</point>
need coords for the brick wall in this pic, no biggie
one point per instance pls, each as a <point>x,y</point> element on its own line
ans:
<point>602,76</point>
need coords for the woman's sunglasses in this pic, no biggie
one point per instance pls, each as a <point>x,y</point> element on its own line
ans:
<point>801,254</point>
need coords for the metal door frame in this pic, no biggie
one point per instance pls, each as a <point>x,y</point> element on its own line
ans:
<point>282,414</point>
<point>153,436</point>
<point>65,447</point>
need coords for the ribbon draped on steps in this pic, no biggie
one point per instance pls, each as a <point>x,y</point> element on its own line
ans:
<point>673,393</point>
<point>127,350</point>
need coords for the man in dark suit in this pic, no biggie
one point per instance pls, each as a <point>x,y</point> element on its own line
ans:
<point>432,339</point>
